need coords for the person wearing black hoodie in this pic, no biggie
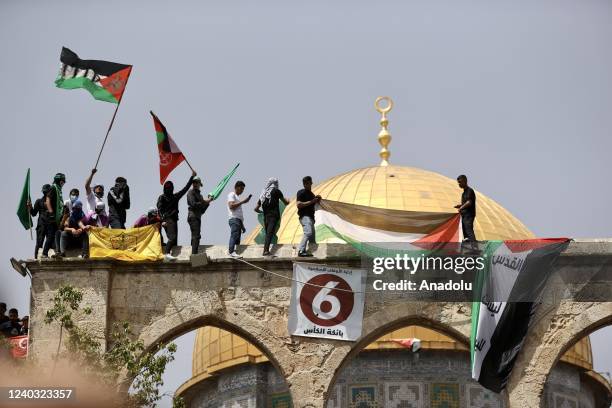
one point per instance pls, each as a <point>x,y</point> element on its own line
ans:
<point>118,202</point>
<point>54,204</point>
<point>167,204</point>
<point>40,209</point>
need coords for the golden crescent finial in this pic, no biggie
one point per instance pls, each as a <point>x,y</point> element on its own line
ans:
<point>384,137</point>
<point>381,109</point>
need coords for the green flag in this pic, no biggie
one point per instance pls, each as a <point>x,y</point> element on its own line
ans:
<point>23,212</point>
<point>219,189</point>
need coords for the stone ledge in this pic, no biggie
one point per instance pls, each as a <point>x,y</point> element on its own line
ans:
<point>283,254</point>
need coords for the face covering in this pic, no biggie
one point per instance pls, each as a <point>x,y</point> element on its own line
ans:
<point>99,194</point>
<point>73,198</point>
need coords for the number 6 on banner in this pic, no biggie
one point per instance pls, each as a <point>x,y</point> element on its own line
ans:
<point>328,305</point>
<point>324,305</point>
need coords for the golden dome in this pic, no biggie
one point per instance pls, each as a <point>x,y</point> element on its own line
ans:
<point>216,349</point>
<point>408,189</point>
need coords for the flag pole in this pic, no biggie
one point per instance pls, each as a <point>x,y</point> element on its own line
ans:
<point>187,161</point>
<point>111,122</point>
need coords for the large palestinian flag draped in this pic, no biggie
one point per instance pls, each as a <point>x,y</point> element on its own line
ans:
<point>170,155</point>
<point>376,231</point>
<point>104,80</point>
<point>508,288</point>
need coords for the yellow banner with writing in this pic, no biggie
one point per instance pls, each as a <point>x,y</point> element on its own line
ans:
<point>132,244</point>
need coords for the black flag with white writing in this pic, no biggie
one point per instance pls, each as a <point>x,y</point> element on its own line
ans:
<point>515,277</point>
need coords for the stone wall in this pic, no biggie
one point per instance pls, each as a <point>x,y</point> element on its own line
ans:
<point>165,300</point>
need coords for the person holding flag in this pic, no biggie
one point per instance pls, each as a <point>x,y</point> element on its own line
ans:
<point>40,209</point>
<point>197,205</point>
<point>167,204</point>
<point>236,217</point>
<point>55,205</point>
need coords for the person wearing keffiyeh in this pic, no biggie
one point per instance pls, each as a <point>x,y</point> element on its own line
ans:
<point>269,202</point>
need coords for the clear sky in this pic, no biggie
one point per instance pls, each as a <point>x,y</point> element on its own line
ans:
<point>517,95</point>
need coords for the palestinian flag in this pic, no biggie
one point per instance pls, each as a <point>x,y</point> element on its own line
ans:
<point>104,80</point>
<point>170,155</point>
<point>379,231</point>
<point>509,289</point>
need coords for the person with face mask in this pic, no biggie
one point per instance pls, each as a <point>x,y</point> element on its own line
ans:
<point>54,205</point>
<point>40,209</point>
<point>167,205</point>
<point>74,234</point>
<point>197,206</point>
<point>94,196</point>
<point>74,195</point>
<point>118,202</point>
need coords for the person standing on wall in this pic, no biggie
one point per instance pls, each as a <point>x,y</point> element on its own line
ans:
<point>197,206</point>
<point>467,209</point>
<point>269,202</point>
<point>306,201</point>
<point>236,217</point>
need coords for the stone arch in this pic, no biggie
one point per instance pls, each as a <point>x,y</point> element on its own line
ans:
<point>451,319</point>
<point>548,340</point>
<point>211,320</point>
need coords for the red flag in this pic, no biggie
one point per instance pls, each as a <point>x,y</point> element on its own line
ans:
<point>411,343</point>
<point>19,346</point>
<point>170,155</point>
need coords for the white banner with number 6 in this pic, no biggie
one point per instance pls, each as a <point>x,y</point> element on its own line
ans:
<point>326,302</point>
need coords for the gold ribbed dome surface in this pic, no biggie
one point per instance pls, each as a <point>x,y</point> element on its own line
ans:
<point>408,189</point>
<point>216,349</point>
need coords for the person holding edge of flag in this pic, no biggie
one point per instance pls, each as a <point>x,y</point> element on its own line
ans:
<point>306,201</point>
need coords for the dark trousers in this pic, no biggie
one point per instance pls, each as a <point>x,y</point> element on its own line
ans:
<point>50,238</point>
<point>467,225</point>
<point>270,223</point>
<point>171,229</point>
<point>235,233</point>
<point>67,241</point>
<point>115,222</point>
<point>41,234</point>
<point>195,224</point>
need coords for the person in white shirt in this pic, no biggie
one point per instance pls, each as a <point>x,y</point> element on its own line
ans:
<point>236,218</point>
<point>94,196</point>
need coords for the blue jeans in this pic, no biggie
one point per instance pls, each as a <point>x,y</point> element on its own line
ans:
<point>309,233</point>
<point>235,233</point>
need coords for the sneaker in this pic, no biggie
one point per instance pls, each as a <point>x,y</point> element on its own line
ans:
<point>235,255</point>
<point>266,253</point>
<point>169,257</point>
<point>304,254</point>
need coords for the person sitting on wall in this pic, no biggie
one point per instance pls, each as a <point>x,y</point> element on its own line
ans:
<point>73,233</point>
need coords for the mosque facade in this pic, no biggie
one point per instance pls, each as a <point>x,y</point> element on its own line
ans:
<point>229,372</point>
